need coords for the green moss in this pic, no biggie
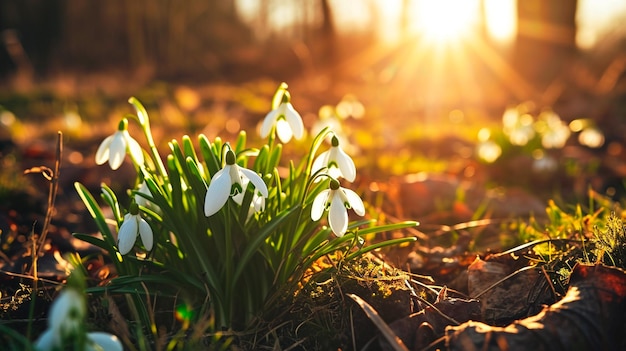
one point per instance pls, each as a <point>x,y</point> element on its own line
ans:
<point>611,241</point>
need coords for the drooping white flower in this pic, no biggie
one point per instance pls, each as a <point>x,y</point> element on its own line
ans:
<point>337,200</point>
<point>132,227</point>
<point>229,181</point>
<point>114,148</point>
<point>339,163</point>
<point>67,313</point>
<point>286,120</point>
<point>142,201</point>
<point>65,323</point>
<point>103,341</point>
<point>258,201</point>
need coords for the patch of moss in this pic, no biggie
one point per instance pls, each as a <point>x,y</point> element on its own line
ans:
<point>321,317</point>
<point>611,241</point>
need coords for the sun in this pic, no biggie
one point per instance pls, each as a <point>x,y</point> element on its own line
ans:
<point>444,21</point>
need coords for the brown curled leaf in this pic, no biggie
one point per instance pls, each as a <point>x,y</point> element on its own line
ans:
<point>591,316</point>
<point>45,171</point>
<point>451,311</point>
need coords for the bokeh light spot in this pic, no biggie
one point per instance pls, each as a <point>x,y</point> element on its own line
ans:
<point>232,126</point>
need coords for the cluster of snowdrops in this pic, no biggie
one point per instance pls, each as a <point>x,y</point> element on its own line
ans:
<point>226,228</point>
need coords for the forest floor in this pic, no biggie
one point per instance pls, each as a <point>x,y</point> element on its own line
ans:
<point>414,162</point>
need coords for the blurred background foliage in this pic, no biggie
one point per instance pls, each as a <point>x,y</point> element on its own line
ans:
<point>414,85</point>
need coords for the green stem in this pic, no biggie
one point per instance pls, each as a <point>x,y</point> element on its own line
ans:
<point>229,261</point>
<point>144,121</point>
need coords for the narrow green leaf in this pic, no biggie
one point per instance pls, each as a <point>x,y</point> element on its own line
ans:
<point>381,245</point>
<point>95,212</point>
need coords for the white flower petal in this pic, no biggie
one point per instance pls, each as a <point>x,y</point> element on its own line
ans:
<point>127,234</point>
<point>335,172</point>
<point>268,123</point>
<point>117,150</point>
<point>258,202</point>
<point>345,164</point>
<point>238,198</point>
<point>140,200</point>
<point>295,121</point>
<point>67,311</point>
<point>102,155</point>
<point>354,201</point>
<point>283,130</point>
<point>145,232</point>
<point>319,205</point>
<point>256,180</point>
<point>134,148</point>
<point>338,215</point>
<point>106,341</point>
<point>218,192</point>
<point>320,162</point>
<point>47,341</point>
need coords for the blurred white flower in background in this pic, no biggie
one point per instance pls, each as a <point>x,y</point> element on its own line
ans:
<point>486,149</point>
<point>285,119</point>
<point>591,137</point>
<point>518,125</point>
<point>554,132</point>
<point>350,106</point>
<point>114,148</point>
<point>543,163</point>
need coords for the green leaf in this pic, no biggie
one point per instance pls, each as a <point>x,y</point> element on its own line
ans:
<point>210,156</point>
<point>265,231</point>
<point>142,114</point>
<point>94,241</point>
<point>379,245</point>
<point>240,144</point>
<point>278,95</point>
<point>388,227</point>
<point>96,213</point>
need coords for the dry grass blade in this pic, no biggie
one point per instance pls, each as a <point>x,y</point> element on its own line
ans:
<point>371,313</point>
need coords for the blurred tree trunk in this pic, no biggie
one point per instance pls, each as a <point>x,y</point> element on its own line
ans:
<point>35,26</point>
<point>328,27</point>
<point>545,38</point>
<point>328,36</point>
<point>194,38</point>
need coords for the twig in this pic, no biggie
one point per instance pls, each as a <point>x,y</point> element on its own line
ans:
<point>395,342</point>
<point>53,177</point>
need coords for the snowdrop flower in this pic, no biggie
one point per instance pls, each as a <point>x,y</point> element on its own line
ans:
<point>287,120</point>
<point>258,201</point>
<point>133,226</point>
<point>67,317</point>
<point>555,131</point>
<point>229,181</point>
<point>487,149</point>
<point>142,201</point>
<point>518,126</point>
<point>114,148</point>
<point>338,162</point>
<point>544,164</point>
<point>591,137</point>
<point>337,200</point>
